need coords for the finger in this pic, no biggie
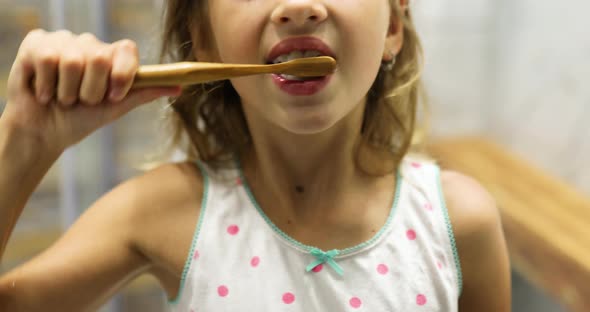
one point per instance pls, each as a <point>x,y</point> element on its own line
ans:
<point>45,62</point>
<point>71,68</point>
<point>88,41</point>
<point>21,73</point>
<point>44,49</point>
<point>23,68</point>
<point>138,97</point>
<point>125,65</point>
<point>96,75</point>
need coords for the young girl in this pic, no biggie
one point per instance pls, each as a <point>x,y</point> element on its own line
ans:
<point>296,195</point>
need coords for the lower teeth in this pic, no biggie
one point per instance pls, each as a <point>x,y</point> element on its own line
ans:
<point>291,77</point>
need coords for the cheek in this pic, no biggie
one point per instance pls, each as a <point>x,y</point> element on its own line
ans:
<point>236,49</point>
<point>237,33</point>
<point>364,49</point>
<point>360,66</point>
<point>244,86</point>
<point>250,89</point>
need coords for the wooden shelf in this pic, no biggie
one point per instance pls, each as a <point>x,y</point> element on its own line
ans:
<point>545,220</point>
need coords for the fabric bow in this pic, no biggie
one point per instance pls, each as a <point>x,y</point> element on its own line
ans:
<point>325,257</point>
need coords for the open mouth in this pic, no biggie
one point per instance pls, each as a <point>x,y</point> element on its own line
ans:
<point>293,55</point>
<point>296,48</point>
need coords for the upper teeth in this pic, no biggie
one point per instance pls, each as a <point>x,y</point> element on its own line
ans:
<point>295,55</point>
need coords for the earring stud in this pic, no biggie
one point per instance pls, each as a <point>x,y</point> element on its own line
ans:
<point>388,65</point>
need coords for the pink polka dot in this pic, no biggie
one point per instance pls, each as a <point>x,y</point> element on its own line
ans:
<point>421,300</point>
<point>439,265</point>
<point>416,165</point>
<point>382,269</point>
<point>255,261</point>
<point>233,229</point>
<point>196,255</point>
<point>355,302</point>
<point>239,181</point>
<point>288,298</point>
<point>318,268</point>
<point>428,206</point>
<point>222,291</point>
<point>411,234</point>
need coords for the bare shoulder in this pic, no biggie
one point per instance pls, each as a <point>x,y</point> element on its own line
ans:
<point>167,184</point>
<point>157,195</point>
<point>472,208</point>
<point>159,210</point>
<point>480,243</point>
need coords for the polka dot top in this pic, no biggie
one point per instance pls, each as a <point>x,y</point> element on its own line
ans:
<point>240,261</point>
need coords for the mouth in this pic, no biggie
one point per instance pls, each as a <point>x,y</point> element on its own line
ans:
<point>295,48</point>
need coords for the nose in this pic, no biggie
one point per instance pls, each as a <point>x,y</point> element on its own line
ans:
<point>299,13</point>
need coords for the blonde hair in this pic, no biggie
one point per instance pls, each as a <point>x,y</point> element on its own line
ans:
<point>208,123</point>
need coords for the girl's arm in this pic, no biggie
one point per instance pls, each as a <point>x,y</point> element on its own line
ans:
<point>22,166</point>
<point>119,237</point>
<point>480,243</point>
<point>94,259</point>
<point>61,88</point>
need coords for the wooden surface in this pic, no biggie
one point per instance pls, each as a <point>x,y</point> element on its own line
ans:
<point>546,221</point>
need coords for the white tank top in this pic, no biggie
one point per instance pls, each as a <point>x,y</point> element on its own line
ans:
<point>240,261</point>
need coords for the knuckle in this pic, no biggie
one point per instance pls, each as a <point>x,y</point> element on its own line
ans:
<point>101,59</point>
<point>63,33</point>
<point>72,62</point>
<point>128,45</point>
<point>35,33</point>
<point>47,57</point>
<point>67,99</point>
<point>88,99</point>
<point>31,39</point>
<point>86,37</point>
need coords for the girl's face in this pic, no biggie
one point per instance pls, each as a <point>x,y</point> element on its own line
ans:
<point>355,32</point>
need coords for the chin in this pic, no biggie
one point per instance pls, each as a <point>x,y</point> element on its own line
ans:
<point>309,124</point>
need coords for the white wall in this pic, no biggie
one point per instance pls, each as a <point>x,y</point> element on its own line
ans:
<point>518,71</point>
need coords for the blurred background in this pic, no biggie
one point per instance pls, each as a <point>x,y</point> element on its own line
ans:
<point>512,70</point>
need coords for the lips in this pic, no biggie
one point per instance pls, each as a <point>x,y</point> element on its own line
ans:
<point>299,44</point>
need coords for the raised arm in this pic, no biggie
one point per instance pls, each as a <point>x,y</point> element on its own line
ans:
<point>61,88</point>
<point>142,226</point>
<point>22,166</point>
<point>94,259</point>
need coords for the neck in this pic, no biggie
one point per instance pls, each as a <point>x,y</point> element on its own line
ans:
<point>300,163</point>
<point>301,173</point>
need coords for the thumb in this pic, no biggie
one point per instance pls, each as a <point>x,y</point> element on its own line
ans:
<point>138,97</point>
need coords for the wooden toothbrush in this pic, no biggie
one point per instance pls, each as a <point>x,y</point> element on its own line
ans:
<point>187,73</point>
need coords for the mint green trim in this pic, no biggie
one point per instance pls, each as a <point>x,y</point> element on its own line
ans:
<point>189,259</point>
<point>310,248</point>
<point>450,231</point>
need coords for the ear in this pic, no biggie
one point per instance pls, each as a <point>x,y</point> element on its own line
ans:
<point>395,34</point>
